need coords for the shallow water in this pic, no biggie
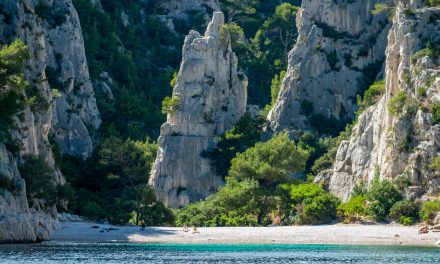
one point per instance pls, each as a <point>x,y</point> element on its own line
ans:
<point>54,252</point>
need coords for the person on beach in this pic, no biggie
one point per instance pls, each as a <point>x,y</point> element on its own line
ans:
<point>424,230</point>
<point>142,224</point>
<point>195,231</point>
<point>185,228</point>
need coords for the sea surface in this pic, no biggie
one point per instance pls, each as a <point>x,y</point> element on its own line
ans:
<point>118,253</point>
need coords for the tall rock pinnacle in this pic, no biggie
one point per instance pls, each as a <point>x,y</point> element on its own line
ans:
<point>209,97</point>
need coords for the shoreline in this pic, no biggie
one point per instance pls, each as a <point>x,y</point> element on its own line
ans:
<point>337,234</point>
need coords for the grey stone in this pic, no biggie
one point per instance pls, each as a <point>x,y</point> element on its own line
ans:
<point>213,97</point>
<point>338,42</point>
<point>376,139</point>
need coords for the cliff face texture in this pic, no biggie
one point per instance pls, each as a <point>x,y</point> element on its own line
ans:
<point>402,144</point>
<point>65,106</point>
<point>339,51</point>
<point>212,95</point>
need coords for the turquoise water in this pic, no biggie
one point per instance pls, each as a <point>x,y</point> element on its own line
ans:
<point>93,253</point>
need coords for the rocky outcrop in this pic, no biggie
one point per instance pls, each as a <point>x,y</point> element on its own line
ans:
<point>339,51</point>
<point>15,220</point>
<point>400,144</point>
<point>64,106</point>
<point>210,96</point>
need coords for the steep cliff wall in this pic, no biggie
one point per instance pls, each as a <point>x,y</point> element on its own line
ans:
<point>339,51</point>
<point>211,97</point>
<point>400,144</point>
<point>65,105</point>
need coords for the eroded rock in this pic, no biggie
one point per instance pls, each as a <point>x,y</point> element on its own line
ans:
<point>340,50</point>
<point>402,144</point>
<point>213,95</point>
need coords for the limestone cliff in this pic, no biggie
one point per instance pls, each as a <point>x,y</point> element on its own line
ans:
<point>339,51</point>
<point>400,144</point>
<point>65,106</point>
<point>210,96</point>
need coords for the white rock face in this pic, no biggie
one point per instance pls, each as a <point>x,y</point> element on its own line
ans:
<point>213,97</point>
<point>57,61</point>
<point>404,144</point>
<point>340,49</point>
<point>15,220</point>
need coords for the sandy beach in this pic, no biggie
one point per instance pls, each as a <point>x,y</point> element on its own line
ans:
<point>340,234</point>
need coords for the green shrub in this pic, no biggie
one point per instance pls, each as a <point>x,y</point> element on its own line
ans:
<point>435,3</point>
<point>275,88</point>
<point>411,107</point>
<point>435,110</point>
<point>402,182</point>
<point>331,32</point>
<point>235,204</point>
<point>402,210</point>
<point>237,218</point>
<point>429,210</point>
<point>431,50</point>
<point>66,197</point>
<point>38,176</point>
<point>174,80</point>
<point>421,92</point>
<point>382,195</point>
<point>409,12</point>
<point>332,59</point>
<point>298,193</point>
<point>12,85</point>
<point>240,137</point>
<point>319,210</point>
<point>354,209</point>
<point>360,189</point>
<point>396,104</point>
<point>55,17</point>
<point>9,184</point>
<point>271,162</point>
<point>190,215</point>
<point>307,203</point>
<point>373,93</point>
<point>379,8</point>
<point>327,125</point>
<point>93,210</point>
<point>170,105</point>
<point>406,221</point>
<point>36,100</point>
<point>306,108</point>
<point>235,32</point>
<point>435,164</point>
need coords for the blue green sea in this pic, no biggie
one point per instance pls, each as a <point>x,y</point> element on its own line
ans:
<point>119,253</point>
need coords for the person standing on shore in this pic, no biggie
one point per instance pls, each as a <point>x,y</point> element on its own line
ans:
<point>142,224</point>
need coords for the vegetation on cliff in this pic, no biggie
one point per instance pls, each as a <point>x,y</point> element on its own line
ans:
<point>268,181</point>
<point>12,87</point>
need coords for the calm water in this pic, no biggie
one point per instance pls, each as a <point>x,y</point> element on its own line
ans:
<point>134,253</point>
